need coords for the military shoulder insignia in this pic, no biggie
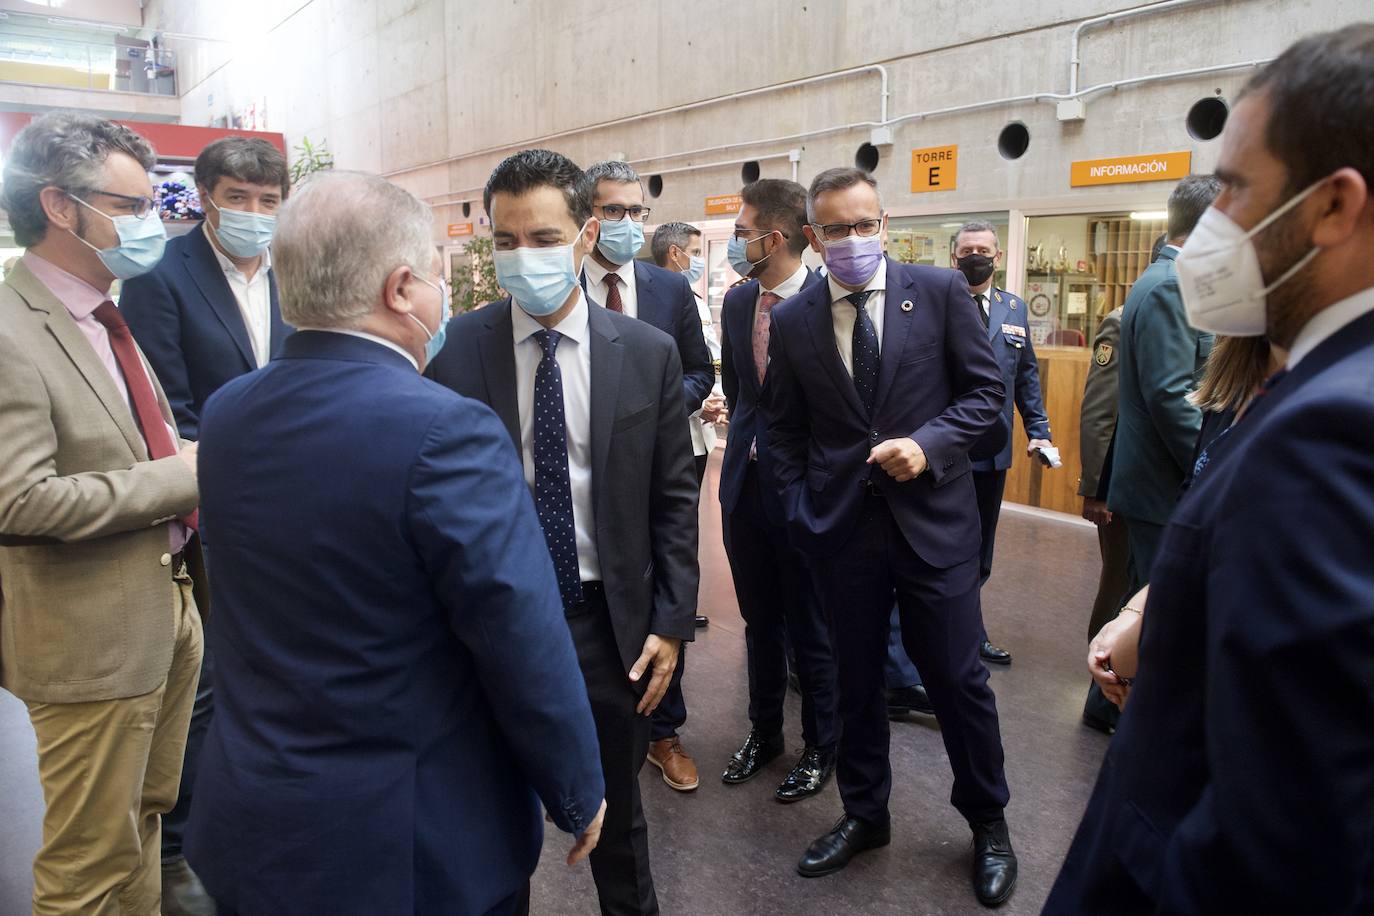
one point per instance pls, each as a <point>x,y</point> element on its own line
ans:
<point>1103,354</point>
<point>996,295</point>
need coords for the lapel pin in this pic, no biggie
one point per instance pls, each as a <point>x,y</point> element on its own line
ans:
<point>907,305</point>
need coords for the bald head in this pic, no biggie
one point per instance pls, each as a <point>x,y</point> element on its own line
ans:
<point>338,239</point>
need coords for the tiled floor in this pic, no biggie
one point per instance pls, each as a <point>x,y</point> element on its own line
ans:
<point>732,850</point>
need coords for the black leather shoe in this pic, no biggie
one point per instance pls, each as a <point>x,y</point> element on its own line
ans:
<point>993,655</point>
<point>994,863</point>
<point>902,700</point>
<point>808,777</point>
<point>182,892</point>
<point>757,751</point>
<point>703,621</point>
<point>833,851</point>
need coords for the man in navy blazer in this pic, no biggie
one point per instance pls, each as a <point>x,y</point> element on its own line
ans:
<point>209,311</point>
<point>879,383</point>
<point>207,314</point>
<point>773,585</point>
<point>592,401</point>
<point>1242,770</point>
<point>615,279</point>
<point>399,690</point>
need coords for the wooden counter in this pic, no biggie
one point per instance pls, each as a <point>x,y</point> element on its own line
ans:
<point>1063,371</point>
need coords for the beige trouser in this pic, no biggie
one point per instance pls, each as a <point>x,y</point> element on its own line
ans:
<point>110,770</point>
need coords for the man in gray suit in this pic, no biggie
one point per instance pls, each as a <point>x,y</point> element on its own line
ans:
<point>1097,426</point>
<point>1161,362</point>
<point>593,401</point>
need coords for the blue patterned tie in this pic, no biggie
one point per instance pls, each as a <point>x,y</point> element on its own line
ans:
<point>552,488</point>
<point>865,351</point>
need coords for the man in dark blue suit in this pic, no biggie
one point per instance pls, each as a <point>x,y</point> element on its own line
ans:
<point>399,689</point>
<point>879,383</point>
<point>207,314</point>
<point>593,402</point>
<point>1242,771</point>
<point>614,278</point>
<point>773,584</point>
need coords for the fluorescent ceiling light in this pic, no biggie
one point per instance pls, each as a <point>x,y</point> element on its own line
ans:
<point>77,23</point>
<point>1149,214</point>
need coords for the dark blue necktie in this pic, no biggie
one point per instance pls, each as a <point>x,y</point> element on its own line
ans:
<point>865,351</point>
<point>552,487</point>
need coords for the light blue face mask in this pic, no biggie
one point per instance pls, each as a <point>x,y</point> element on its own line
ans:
<point>141,242</point>
<point>243,234</point>
<point>538,279</point>
<point>696,266</point>
<point>735,252</point>
<point>436,339</point>
<point>621,240</point>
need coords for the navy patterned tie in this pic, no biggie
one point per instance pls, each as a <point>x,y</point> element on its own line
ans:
<point>552,487</point>
<point>865,351</point>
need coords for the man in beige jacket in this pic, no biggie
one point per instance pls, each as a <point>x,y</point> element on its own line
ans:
<point>99,634</point>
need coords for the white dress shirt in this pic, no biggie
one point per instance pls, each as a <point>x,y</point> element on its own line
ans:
<point>574,355</point>
<point>784,290</point>
<point>363,335</point>
<point>596,284</point>
<point>1327,322</point>
<point>703,435</point>
<point>253,296</point>
<point>842,313</point>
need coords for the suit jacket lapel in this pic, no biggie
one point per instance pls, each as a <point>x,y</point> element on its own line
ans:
<point>896,324</point>
<point>205,270</point>
<point>497,349</point>
<point>646,300</point>
<point>607,357</point>
<point>822,329</point>
<point>63,327</point>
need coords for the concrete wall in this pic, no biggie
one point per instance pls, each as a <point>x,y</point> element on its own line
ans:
<point>435,92</point>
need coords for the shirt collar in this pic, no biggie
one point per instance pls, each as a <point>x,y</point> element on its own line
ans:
<point>574,324</point>
<point>229,266</point>
<point>79,297</point>
<point>789,287</point>
<point>877,282</point>
<point>390,345</point>
<point>1327,322</point>
<point>596,274</point>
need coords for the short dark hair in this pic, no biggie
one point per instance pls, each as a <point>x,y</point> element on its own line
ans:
<point>612,170</point>
<point>65,149</point>
<point>1189,200</point>
<point>1321,105</point>
<point>836,180</point>
<point>977,225</point>
<point>541,168</point>
<point>782,206</point>
<point>668,235</point>
<point>250,159</point>
<point>1158,246</point>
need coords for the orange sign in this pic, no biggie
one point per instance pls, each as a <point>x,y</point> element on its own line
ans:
<point>723,205</point>
<point>455,230</point>
<point>935,168</point>
<point>1126,169</point>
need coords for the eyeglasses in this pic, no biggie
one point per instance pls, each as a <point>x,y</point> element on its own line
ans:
<point>833,232</point>
<point>615,212</point>
<point>744,234</point>
<point>142,206</point>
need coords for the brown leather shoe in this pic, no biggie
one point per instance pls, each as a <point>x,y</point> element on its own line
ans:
<point>679,769</point>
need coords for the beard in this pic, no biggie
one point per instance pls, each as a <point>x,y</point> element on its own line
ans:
<point>1289,306</point>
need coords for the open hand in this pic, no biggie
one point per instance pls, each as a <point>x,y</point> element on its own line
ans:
<point>660,654</point>
<point>589,838</point>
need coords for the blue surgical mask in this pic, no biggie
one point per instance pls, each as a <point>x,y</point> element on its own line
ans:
<point>141,242</point>
<point>621,240</point>
<point>243,234</point>
<point>696,266</point>
<point>735,252</point>
<point>538,279</point>
<point>436,338</point>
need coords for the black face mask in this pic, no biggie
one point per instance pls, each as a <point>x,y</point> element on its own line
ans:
<point>976,268</point>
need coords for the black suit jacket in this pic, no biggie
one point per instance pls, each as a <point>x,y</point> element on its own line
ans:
<point>644,486</point>
<point>666,301</point>
<point>187,322</point>
<point>1241,777</point>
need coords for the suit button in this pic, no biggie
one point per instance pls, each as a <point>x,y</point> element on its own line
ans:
<point>166,559</point>
<point>873,435</point>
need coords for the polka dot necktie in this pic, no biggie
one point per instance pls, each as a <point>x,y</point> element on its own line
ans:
<point>552,486</point>
<point>865,350</point>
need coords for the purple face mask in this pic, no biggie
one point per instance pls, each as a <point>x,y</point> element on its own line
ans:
<point>854,259</point>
